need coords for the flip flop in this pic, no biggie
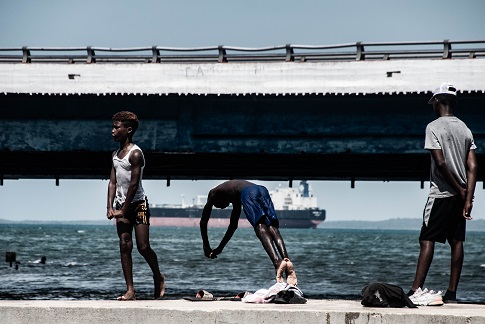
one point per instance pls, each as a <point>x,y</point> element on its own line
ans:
<point>202,295</point>
<point>229,298</point>
<point>238,297</point>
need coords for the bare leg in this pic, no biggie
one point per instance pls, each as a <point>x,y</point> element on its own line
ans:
<point>290,273</point>
<point>278,240</point>
<point>143,245</point>
<point>280,271</point>
<point>124,230</point>
<point>280,245</point>
<point>262,232</point>
<point>457,255</point>
<point>424,262</point>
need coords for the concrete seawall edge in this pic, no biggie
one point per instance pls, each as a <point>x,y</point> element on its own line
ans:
<point>181,311</point>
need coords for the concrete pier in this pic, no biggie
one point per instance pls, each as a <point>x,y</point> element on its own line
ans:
<point>182,311</point>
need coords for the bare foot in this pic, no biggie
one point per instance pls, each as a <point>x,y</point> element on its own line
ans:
<point>290,273</point>
<point>159,283</point>
<point>279,271</point>
<point>129,295</point>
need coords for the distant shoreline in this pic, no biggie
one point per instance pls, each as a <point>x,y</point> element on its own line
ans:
<point>389,224</point>
<point>75,222</point>
<point>394,224</point>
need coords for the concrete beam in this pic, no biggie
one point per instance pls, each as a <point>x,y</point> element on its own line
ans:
<point>354,77</point>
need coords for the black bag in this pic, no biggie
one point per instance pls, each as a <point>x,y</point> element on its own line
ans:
<point>289,297</point>
<point>385,295</point>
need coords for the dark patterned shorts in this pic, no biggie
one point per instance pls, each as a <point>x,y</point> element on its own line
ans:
<point>138,213</point>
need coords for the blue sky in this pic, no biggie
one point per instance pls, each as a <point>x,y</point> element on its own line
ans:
<point>249,23</point>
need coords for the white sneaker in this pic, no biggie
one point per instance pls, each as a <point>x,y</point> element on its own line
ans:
<point>426,297</point>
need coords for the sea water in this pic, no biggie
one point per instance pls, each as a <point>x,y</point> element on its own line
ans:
<point>83,262</point>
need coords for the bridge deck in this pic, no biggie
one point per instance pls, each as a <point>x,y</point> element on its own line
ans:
<point>329,116</point>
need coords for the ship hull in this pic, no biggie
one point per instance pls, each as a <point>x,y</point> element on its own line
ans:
<point>190,217</point>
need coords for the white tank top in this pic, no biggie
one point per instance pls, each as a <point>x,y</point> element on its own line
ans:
<point>123,177</point>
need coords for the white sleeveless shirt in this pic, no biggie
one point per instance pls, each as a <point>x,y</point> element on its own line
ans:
<point>123,177</point>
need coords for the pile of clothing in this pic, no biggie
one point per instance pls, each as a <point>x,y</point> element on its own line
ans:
<point>279,293</point>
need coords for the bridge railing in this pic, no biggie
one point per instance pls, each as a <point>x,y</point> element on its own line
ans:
<point>359,51</point>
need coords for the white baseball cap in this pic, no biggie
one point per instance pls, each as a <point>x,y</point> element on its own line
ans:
<point>444,88</point>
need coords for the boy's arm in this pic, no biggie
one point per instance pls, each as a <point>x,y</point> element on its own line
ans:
<point>440,162</point>
<point>137,162</point>
<point>206,213</point>
<point>111,193</point>
<point>204,220</point>
<point>235,214</point>
<point>471,176</point>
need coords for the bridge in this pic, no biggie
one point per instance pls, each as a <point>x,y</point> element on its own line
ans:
<point>346,112</point>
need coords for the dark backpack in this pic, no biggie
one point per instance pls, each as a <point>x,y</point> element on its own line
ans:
<point>385,295</point>
<point>289,297</point>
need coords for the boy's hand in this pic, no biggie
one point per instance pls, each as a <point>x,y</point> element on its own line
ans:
<point>207,251</point>
<point>109,213</point>
<point>467,210</point>
<point>215,252</point>
<point>118,213</point>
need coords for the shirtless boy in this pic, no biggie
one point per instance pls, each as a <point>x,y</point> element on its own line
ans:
<point>260,212</point>
<point>126,195</point>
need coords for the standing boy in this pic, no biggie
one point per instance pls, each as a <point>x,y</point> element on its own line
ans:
<point>453,180</point>
<point>126,194</point>
<point>259,211</point>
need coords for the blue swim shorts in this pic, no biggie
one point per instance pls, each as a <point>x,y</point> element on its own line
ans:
<point>258,206</point>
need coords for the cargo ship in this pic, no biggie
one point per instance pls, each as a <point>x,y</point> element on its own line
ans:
<point>295,208</point>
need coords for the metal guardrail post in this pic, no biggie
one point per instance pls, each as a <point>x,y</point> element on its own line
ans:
<point>25,55</point>
<point>319,53</point>
<point>446,49</point>
<point>360,56</point>
<point>91,55</point>
<point>289,53</point>
<point>222,55</point>
<point>155,55</point>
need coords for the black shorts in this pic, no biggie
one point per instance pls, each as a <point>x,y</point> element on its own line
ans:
<point>138,213</point>
<point>443,220</point>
